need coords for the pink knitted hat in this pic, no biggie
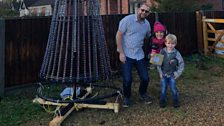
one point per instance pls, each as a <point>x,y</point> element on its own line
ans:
<point>159,27</point>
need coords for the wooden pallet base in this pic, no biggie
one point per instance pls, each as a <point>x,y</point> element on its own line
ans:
<point>58,119</point>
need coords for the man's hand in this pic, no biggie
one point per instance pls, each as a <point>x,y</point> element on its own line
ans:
<point>122,57</point>
<point>161,76</point>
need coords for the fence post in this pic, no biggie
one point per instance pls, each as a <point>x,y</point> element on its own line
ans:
<point>2,57</point>
<point>199,31</point>
<point>205,35</point>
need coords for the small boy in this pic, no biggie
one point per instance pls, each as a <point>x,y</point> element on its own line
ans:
<point>171,68</point>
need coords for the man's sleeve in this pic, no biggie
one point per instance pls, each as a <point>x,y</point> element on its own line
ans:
<point>123,25</point>
<point>149,31</point>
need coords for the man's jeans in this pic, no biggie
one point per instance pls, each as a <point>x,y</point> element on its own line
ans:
<point>164,84</point>
<point>141,67</point>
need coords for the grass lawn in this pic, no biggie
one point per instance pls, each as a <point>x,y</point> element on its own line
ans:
<point>201,93</point>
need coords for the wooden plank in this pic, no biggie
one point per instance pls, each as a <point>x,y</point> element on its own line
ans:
<point>43,102</point>
<point>211,39</point>
<point>219,48</point>
<point>114,106</point>
<point>218,38</point>
<point>210,26</point>
<point>222,41</point>
<point>59,119</point>
<point>2,57</point>
<point>211,31</point>
<point>215,32</point>
<point>214,20</point>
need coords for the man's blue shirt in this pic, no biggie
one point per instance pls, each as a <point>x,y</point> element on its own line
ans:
<point>134,33</point>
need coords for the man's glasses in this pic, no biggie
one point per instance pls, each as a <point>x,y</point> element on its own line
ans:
<point>143,10</point>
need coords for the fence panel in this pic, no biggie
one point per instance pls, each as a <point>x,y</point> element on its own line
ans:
<point>25,43</point>
<point>2,56</point>
<point>26,39</point>
<point>183,25</point>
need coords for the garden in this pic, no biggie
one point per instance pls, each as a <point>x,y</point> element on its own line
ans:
<point>201,93</point>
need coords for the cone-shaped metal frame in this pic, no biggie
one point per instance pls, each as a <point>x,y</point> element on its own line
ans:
<point>76,50</point>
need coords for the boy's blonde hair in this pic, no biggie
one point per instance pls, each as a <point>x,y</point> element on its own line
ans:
<point>172,37</point>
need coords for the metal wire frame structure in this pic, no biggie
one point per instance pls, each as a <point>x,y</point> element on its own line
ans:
<point>76,49</point>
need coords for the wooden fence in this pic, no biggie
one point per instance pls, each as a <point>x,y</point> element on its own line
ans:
<point>199,17</point>
<point>26,38</point>
<point>212,36</point>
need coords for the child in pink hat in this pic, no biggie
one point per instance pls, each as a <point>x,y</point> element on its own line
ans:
<point>159,39</point>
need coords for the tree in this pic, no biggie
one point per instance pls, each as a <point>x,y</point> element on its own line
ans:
<point>177,5</point>
<point>8,13</point>
<point>5,9</point>
<point>207,6</point>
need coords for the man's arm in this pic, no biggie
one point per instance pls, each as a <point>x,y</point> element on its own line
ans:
<point>120,47</point>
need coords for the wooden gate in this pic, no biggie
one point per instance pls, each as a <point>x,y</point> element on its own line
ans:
<point>212,36</point>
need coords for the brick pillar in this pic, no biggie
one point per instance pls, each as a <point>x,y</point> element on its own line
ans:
<point>103,7</point>
<point>125,6</point>
<point>118,7</point>
<point>108,6</point>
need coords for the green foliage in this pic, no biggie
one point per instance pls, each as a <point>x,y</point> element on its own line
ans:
<point>206,6</point>
<point>201,69</point>
<point>18,110</point>
<point>4,13</point>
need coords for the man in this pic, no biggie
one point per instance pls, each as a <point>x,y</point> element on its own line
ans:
<point>130,38</point>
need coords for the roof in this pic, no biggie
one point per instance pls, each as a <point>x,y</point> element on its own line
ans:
<point>30,3</point>
<point>17,5</point>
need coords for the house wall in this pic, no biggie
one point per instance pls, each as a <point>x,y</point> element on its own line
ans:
<point>23,12</point>
<point>41,10</point>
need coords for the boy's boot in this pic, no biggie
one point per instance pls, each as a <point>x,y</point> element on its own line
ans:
<point>162,103</point>
<point>176,103</point>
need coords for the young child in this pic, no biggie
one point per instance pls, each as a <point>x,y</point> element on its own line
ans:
<point>171,68</point>
<point>159,39</point>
